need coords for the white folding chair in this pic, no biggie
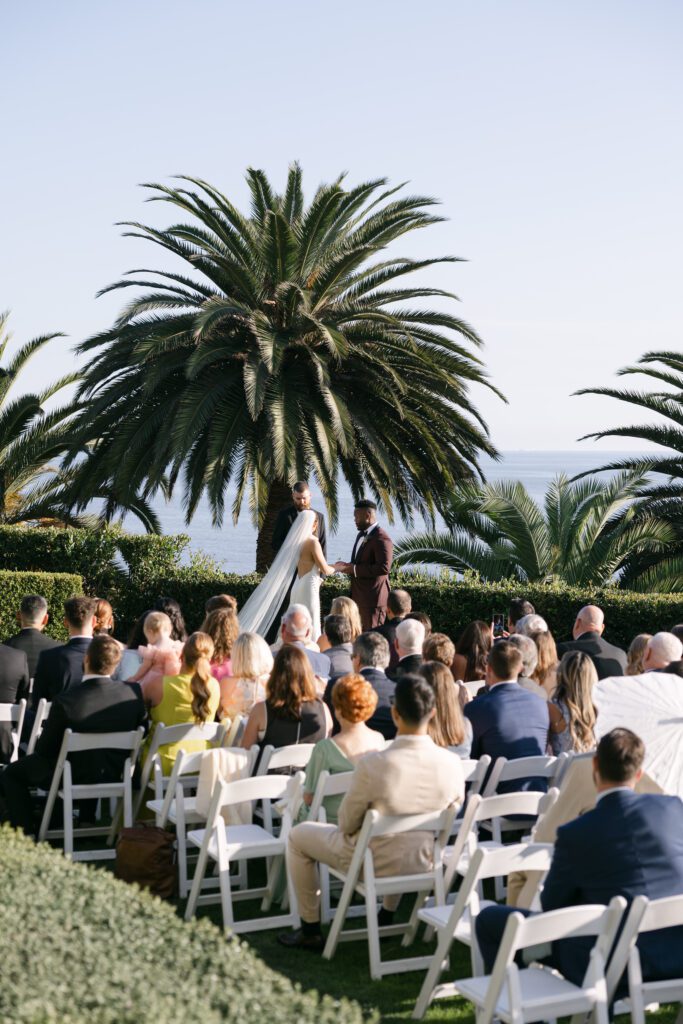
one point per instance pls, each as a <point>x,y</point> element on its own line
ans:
<point>456,921</point>
<point>328,785</point>
<point>209,732</point>
<point>280,759</point>
<point>475,771</point>
<point>505,770</point>
<point>361,878</point>
<point>42,712</point>
<point>14,715</point>
<point>228,844</point>
<point>79,742</point>
<point>644,916</point>
<point>179,807</point>
<point>537,993</point>
<point>233,731</point>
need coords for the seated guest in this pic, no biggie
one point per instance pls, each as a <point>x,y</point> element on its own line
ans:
<point>297,629</point>
<point>412,776</point>
<point>169,606</point>
<point>410,636</point>
<point>661,650</point>
<point>252,663</point>
<point>547,661</point>
<point>96,703</point>
<point>223,626</point>
<point>354,701</point>
<point>399,604</point>
<point>292,711</point>
<point>572,711</point>
<point>588,629</point>
<point>439,647</point>
<point>471,652</point>
<point>529,624</point>
<point>33,618</point>
<point>519,608</point>
<point>448,727</point>
<point>347,607</point>
<point>629,845</point>
<point>220,601</point>
<point>424,619</point>
<point>370,657</point>
<point>192,695</point>
<point>508,721</point>
<point>14,686</point>
<point>60,667</point>
<point>104,618</point>
<point>337,630</point>
<point>130,659</point>
<point>527,648</point>
<point>635,653</point>
<point>161,655</point>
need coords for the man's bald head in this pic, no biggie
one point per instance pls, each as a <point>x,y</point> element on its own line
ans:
<point>296,624</point>
<point>590,619</point>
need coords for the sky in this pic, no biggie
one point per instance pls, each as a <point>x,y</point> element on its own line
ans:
<point>550,131</point>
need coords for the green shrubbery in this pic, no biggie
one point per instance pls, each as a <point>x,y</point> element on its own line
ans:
<point>78,946</point>
<point>56,587</point>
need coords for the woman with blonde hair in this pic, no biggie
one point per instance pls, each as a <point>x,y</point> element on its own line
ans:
<point>635,653</point>
<point>252,663</point>
<point>223,626</point>
<point>349,609</point>
<point>448,727</point>
<point>354,700</point>
<point>292,711</point>
<point>191,696</point>
<point>572,712</point>
<point>545,673</point>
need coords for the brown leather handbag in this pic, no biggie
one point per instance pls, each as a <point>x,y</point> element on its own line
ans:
<point>145,854</point>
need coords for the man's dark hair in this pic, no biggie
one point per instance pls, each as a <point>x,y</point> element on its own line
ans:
<point>366,503</point>
<point>33,608</point>
<point>399,602</point>
<point>414,698</point>
<point>678,632</point>
<point>620,756</point>
<point>103,655</point>
<point>337,629</point>
<point>424,619</point>
<point>300,486</point>
<point>519,607</point>
<point>78,610</point>
<point>505,660</point>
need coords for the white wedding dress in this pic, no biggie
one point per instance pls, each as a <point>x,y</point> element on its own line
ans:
<point>258,613</point>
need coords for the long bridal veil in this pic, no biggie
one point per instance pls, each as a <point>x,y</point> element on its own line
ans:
<point>257,615</point>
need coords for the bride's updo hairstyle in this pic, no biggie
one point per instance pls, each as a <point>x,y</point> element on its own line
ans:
<point>291,682</point>
<point>197,655</point>
<point>349,609</point>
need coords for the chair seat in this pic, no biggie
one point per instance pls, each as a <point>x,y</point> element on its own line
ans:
<point>392,884</point>
<point>190,809</point>
<point>437,918</point>
<point>540,987</point>
<point>245,840</point>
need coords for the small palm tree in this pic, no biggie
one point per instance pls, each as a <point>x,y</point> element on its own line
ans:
<point>291,351</point>
<point>585,534</point>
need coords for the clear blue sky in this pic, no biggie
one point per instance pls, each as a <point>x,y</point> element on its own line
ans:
<point>550,131</point>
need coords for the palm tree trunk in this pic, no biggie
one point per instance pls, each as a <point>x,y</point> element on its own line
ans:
<point>279,497</point>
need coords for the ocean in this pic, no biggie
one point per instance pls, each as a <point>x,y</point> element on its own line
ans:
<point>234,546</point>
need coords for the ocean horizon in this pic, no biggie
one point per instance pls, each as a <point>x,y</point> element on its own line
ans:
<point>233,546</point>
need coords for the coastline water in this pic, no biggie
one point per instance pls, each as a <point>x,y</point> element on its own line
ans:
<point>234,546</point>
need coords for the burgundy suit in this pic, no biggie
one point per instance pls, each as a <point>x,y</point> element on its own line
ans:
<point>370,577</point>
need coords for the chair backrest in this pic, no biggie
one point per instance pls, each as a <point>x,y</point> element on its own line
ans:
<point>328,785</point>
<point>209,732</point>
<point>190,764</point>
<point>437,822</point>
<point>506,804</point>
<point>294,755</point>
<point>42,711</point>
<point>258,787</point>
<point>76,742</point>
<point>498,863</point>
<point>644,916</point>
<point>571,923</point>
<point>14,714</point>
<point>234,730</point>
<point>505,770</point>
<point>475,771</point>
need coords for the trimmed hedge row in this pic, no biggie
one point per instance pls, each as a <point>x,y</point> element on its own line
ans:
<point>77,946</point>
<point>56,587</point>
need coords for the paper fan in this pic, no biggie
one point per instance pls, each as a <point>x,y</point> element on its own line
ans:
<point>651,706</point>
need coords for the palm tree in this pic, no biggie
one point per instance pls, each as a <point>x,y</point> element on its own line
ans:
<point>290,351</point>
<point>584,535</point>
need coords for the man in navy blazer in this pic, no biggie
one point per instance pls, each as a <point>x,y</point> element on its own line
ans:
<point>370,659</point>
<point>630,844</point>
<point>61,667</point>
<point>507,720</point>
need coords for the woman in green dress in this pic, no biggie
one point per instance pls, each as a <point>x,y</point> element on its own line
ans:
<point>354,700</point>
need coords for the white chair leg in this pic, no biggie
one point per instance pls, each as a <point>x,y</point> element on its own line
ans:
<point>340,915</point>
<point>433,974</point>
<point>200,871</point>
<point>224,878</point>
<point>373,928</point>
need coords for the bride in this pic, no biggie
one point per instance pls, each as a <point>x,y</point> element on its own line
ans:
<point>302,552</point>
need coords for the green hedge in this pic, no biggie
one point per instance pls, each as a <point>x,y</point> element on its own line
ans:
<point>78,946</point>
<point>56,587</point>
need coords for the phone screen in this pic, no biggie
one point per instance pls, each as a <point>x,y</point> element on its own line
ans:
<point>498,624</point>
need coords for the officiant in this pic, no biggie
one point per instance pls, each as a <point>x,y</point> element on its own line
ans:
<point>301,500</point>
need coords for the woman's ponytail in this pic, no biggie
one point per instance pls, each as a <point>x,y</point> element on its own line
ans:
<point>197,654</point>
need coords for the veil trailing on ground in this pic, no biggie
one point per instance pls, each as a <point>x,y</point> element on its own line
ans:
<point>257,615</point>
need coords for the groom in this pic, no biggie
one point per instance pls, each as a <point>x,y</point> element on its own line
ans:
<point>369,566</point>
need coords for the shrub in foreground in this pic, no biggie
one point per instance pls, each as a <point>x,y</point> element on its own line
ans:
<point>78,946</point>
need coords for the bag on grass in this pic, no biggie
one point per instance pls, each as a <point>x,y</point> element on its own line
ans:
<point>145,854</point>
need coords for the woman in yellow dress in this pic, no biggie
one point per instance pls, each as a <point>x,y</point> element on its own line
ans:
<point>191,696</point>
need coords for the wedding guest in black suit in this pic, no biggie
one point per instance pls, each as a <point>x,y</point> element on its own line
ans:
<point>588,629</point>
<point>301,500</point>
<point>62,667</point>
<point>337,629</point>
<point>97,703</point>
<point>14,684</point>
<point>33,618</point>
<point>399,604</point>
<point>410,638</point>
<point>370,659</point>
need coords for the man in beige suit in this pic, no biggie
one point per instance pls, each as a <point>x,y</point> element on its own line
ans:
<point>412,776</point>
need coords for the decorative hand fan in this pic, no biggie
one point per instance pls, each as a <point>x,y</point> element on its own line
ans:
<point>651,706</point>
